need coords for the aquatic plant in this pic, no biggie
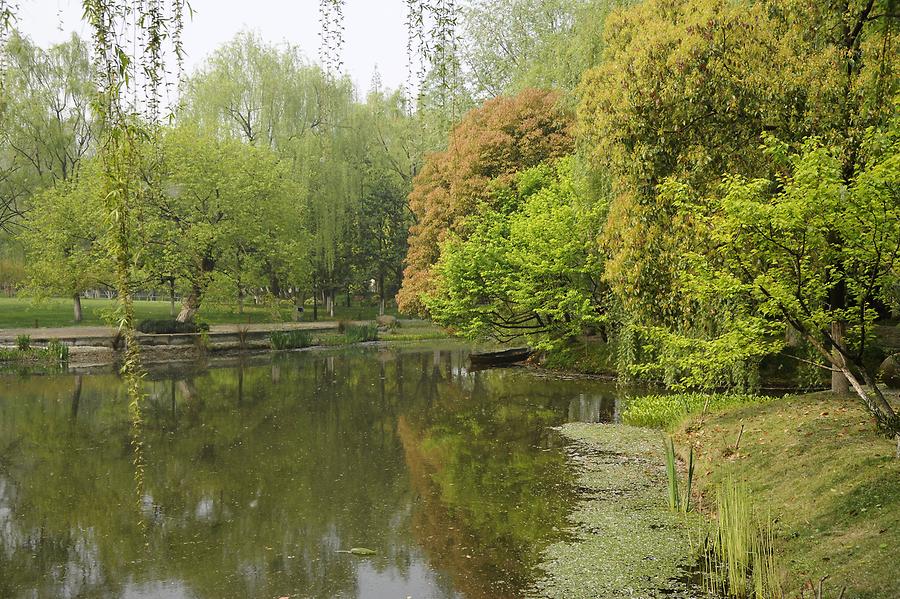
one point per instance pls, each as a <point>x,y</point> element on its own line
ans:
<point>666,411</point>
<point>738,554</point>
<point>676,502</point>
<point>356,333</point>
<point>281,340</point>
<point>23,342</point>
<point>55,353</point>
<point>57,350</point>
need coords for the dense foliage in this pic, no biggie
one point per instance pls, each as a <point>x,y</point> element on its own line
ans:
<point>732,196</point>
<point>700,185</point>
<point>484,153</point>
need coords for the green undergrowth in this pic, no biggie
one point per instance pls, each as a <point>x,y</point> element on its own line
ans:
<point>294,339</point>
<point>667,411</point>
<point>53,354</point>
<point>360,333</point>
<point>830,481</point>
<point>624,541</point>
<point>588,356</point>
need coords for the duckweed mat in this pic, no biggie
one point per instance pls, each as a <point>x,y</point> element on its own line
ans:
<point>624,540</point>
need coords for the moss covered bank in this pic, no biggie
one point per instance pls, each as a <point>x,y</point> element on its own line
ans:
<point>833,485</point>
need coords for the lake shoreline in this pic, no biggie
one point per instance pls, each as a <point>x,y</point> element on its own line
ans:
<point>99,347</point>
<point>816,463</point>
<point>624,541</point>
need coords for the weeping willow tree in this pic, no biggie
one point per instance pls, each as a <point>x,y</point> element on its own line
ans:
<point>128,83</point>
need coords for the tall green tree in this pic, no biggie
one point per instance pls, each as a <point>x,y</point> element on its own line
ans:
<point>775,251</point>
<point>46,123</point>
<point>686,89</point>
<point>229,211</point>
<point>65,249</point>
<point>529,268</point>
<point>486,150</point>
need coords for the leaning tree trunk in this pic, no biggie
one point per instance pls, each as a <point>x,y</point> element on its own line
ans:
<point>189,305</point>
<point>77,307</point>
<point>839,381</point>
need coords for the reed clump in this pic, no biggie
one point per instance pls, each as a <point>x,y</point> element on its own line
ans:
<point>358,333</point>
<point>281,340</point>
<point>677,502</point>
<point>738,555</point>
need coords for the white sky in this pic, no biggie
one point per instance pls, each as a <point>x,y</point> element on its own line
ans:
<point>375,31</point>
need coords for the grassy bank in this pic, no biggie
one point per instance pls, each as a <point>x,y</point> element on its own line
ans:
<point>625,542</point>
<point>833,485</point>
<point>57,312</point>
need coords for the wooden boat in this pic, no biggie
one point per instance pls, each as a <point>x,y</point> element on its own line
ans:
<point>500,358</point>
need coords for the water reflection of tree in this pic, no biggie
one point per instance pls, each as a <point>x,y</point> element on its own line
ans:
<point>252,485</point>
<point>488,497</point>
<point>222,489</point>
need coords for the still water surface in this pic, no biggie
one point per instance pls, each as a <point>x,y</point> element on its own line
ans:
<point>258,471</point>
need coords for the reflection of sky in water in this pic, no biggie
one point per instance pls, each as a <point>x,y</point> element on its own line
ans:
<point>170,589</point>
<point>373,584</point>
<point>258,473</point>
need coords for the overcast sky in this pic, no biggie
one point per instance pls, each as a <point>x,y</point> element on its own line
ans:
<point>375,31</point>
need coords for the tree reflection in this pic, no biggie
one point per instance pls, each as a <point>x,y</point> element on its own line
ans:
<point>446,474</point>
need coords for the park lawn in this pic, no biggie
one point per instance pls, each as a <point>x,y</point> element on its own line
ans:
<point>833,484</point>
<point>57,312</point>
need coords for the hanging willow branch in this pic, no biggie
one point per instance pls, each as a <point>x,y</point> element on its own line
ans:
<point>442,52</point>
<point>432,48</point>
<point>416,45</point>
<point>7,18</point>
<point>119,152</point>
<point>331,35</point>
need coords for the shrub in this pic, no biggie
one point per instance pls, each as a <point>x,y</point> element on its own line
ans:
<point>170,327</point>
<point>23,342</point>
<point>358,333</point>
<point>290,339</point>
<point>666,411</point>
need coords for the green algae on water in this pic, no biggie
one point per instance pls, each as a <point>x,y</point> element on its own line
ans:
<point>625,542</point>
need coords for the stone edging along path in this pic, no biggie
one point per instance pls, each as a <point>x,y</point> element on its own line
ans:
<point>625,541</point>
<point>96,346</point>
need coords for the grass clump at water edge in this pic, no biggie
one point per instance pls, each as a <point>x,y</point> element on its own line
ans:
<point>358,333</point>
<point>296,339</point>
<point>667,411</point>
<point>56,352</point>
<point>738,551</point>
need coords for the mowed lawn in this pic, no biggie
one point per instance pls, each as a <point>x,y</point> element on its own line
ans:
<point>57,312</point>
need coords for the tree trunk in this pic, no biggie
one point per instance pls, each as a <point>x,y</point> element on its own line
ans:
<point>172,297</point>
<point>381,294</point>
<point>331,303</point>
<point>348,296</point>
<point>77,307</point>
<point>315,305</point>
<point>839,382</point>
<point>189,305</point>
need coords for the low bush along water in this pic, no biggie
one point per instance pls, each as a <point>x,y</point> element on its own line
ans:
<point>290,339</point>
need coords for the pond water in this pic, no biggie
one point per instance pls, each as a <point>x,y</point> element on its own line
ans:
<point>258,471</point>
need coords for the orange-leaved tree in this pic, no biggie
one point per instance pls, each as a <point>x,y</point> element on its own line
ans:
<point>485,150</point>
